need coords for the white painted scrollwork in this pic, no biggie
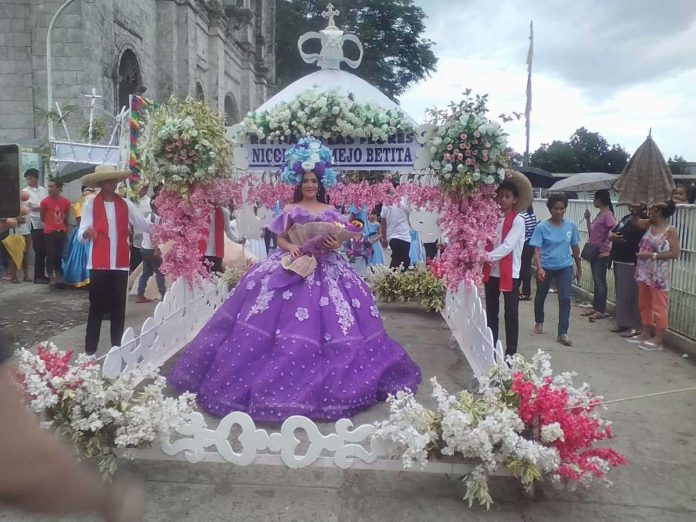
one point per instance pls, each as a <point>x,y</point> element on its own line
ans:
<point>332,39</point>
<point>343,446</point>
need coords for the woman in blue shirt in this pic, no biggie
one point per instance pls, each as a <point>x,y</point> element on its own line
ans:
<point>555,243</point>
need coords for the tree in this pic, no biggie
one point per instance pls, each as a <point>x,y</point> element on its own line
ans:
<point>585,151</point>
<point>677,165</point>
<point>558,156</point>
<point>396,54</point>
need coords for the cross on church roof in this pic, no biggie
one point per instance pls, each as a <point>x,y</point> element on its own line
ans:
<point>329,13</point>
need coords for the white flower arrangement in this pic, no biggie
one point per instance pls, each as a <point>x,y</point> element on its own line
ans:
<point>468,149</point>
<point>98,416</point>
<point>325,114</point>
<point>524,419</point>
<point>184,144</point>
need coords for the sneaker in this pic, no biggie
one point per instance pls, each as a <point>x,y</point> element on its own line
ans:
<point>564,340</point>
<point>650,347</point>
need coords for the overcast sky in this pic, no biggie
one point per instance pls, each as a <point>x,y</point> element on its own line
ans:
<point>617,67</point>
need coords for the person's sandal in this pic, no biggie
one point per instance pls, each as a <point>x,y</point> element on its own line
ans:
<point>588,313</point>
<point>628,334</point>
<point>524,297</point>
<point>618,329</point>
<point>597,316</point>
<point>539,329</point>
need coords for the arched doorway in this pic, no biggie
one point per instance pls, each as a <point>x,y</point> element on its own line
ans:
<point>231,110</point>
<point>129,79</point>
<point>200,96</point>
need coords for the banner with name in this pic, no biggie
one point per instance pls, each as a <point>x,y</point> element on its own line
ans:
<point>397,154</point>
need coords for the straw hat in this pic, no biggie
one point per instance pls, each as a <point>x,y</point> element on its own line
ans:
<point>524,187</point>
<point>104,173</point>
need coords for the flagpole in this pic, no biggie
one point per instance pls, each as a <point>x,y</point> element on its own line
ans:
<point>528,106</point>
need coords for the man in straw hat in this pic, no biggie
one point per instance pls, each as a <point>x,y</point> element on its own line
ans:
<point>501,271</point>
<point>105,223</point>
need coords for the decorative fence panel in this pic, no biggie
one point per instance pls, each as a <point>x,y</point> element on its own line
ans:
<point>682,297</point>
<point>183,311</point>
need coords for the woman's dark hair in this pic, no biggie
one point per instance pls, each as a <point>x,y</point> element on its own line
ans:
<point>692,194</point>
<point>510,187</point>
<point>604,198</point>
<point>556,198</point>
<point>321,194</point>
<point>31,172</point>
<point>530,210</point>
<point>667,209</point>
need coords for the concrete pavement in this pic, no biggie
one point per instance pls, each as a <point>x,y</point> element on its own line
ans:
<point>658,435</point>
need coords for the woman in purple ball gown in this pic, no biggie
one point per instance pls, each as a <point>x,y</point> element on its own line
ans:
<point>285,345</point>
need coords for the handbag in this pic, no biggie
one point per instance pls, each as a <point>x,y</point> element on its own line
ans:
<point>589,252</point>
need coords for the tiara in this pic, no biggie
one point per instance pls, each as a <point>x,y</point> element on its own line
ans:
<point>309,155</point>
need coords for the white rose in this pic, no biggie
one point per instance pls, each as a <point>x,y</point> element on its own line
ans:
<point>308,165</point>
<point>437,141</point>
<point>489,180</point>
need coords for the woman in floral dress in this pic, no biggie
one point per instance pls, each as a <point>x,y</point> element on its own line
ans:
<point>659,246</point>
<point>284,344</point>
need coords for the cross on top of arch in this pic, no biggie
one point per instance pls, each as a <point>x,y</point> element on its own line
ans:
<point>329,13</point>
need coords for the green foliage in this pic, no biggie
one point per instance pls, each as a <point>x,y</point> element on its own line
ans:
<point>232,276</point>
<point>585,151</point>
<point>396,54</point>
<point>418,285</point>
<point>677,165</point>
<point>98,130</point>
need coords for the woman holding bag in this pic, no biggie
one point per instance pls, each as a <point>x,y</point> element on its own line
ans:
<point>597,250</point>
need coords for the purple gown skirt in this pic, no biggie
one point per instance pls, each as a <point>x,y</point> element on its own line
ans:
<point>281,345</point>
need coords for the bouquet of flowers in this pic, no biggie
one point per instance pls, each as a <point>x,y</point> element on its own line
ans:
<point>325,114</point>
<point>185,144</point>
<point>468,149</point>
<point>97,415</point>
<point>525,418</point>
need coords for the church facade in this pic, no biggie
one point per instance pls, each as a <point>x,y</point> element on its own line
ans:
<point>221,52</point>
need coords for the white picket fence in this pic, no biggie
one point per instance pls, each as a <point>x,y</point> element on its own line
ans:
<point>186,309</point>
<point>176,320</point>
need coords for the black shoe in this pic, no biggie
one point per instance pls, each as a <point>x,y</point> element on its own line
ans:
<point>41,280</point>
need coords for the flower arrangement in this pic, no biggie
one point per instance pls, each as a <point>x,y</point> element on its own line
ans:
<point>526,419</point>
<point>418,284</point>
<point>234,274</point>
<point>308,155</point>
<point>468,222</point>
<point>98,416</point>
<point>185,145</point>
<point>185,223</point>
<point>468,149</point>
<point>325,114</point>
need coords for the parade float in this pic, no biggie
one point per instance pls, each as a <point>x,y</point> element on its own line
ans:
<point>523,421</point>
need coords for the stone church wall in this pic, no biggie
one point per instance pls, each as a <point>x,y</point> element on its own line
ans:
<point>181,46</point>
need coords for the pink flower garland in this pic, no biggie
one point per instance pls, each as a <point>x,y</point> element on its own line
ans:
<point>468,223</point>
<point>544,405</point>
